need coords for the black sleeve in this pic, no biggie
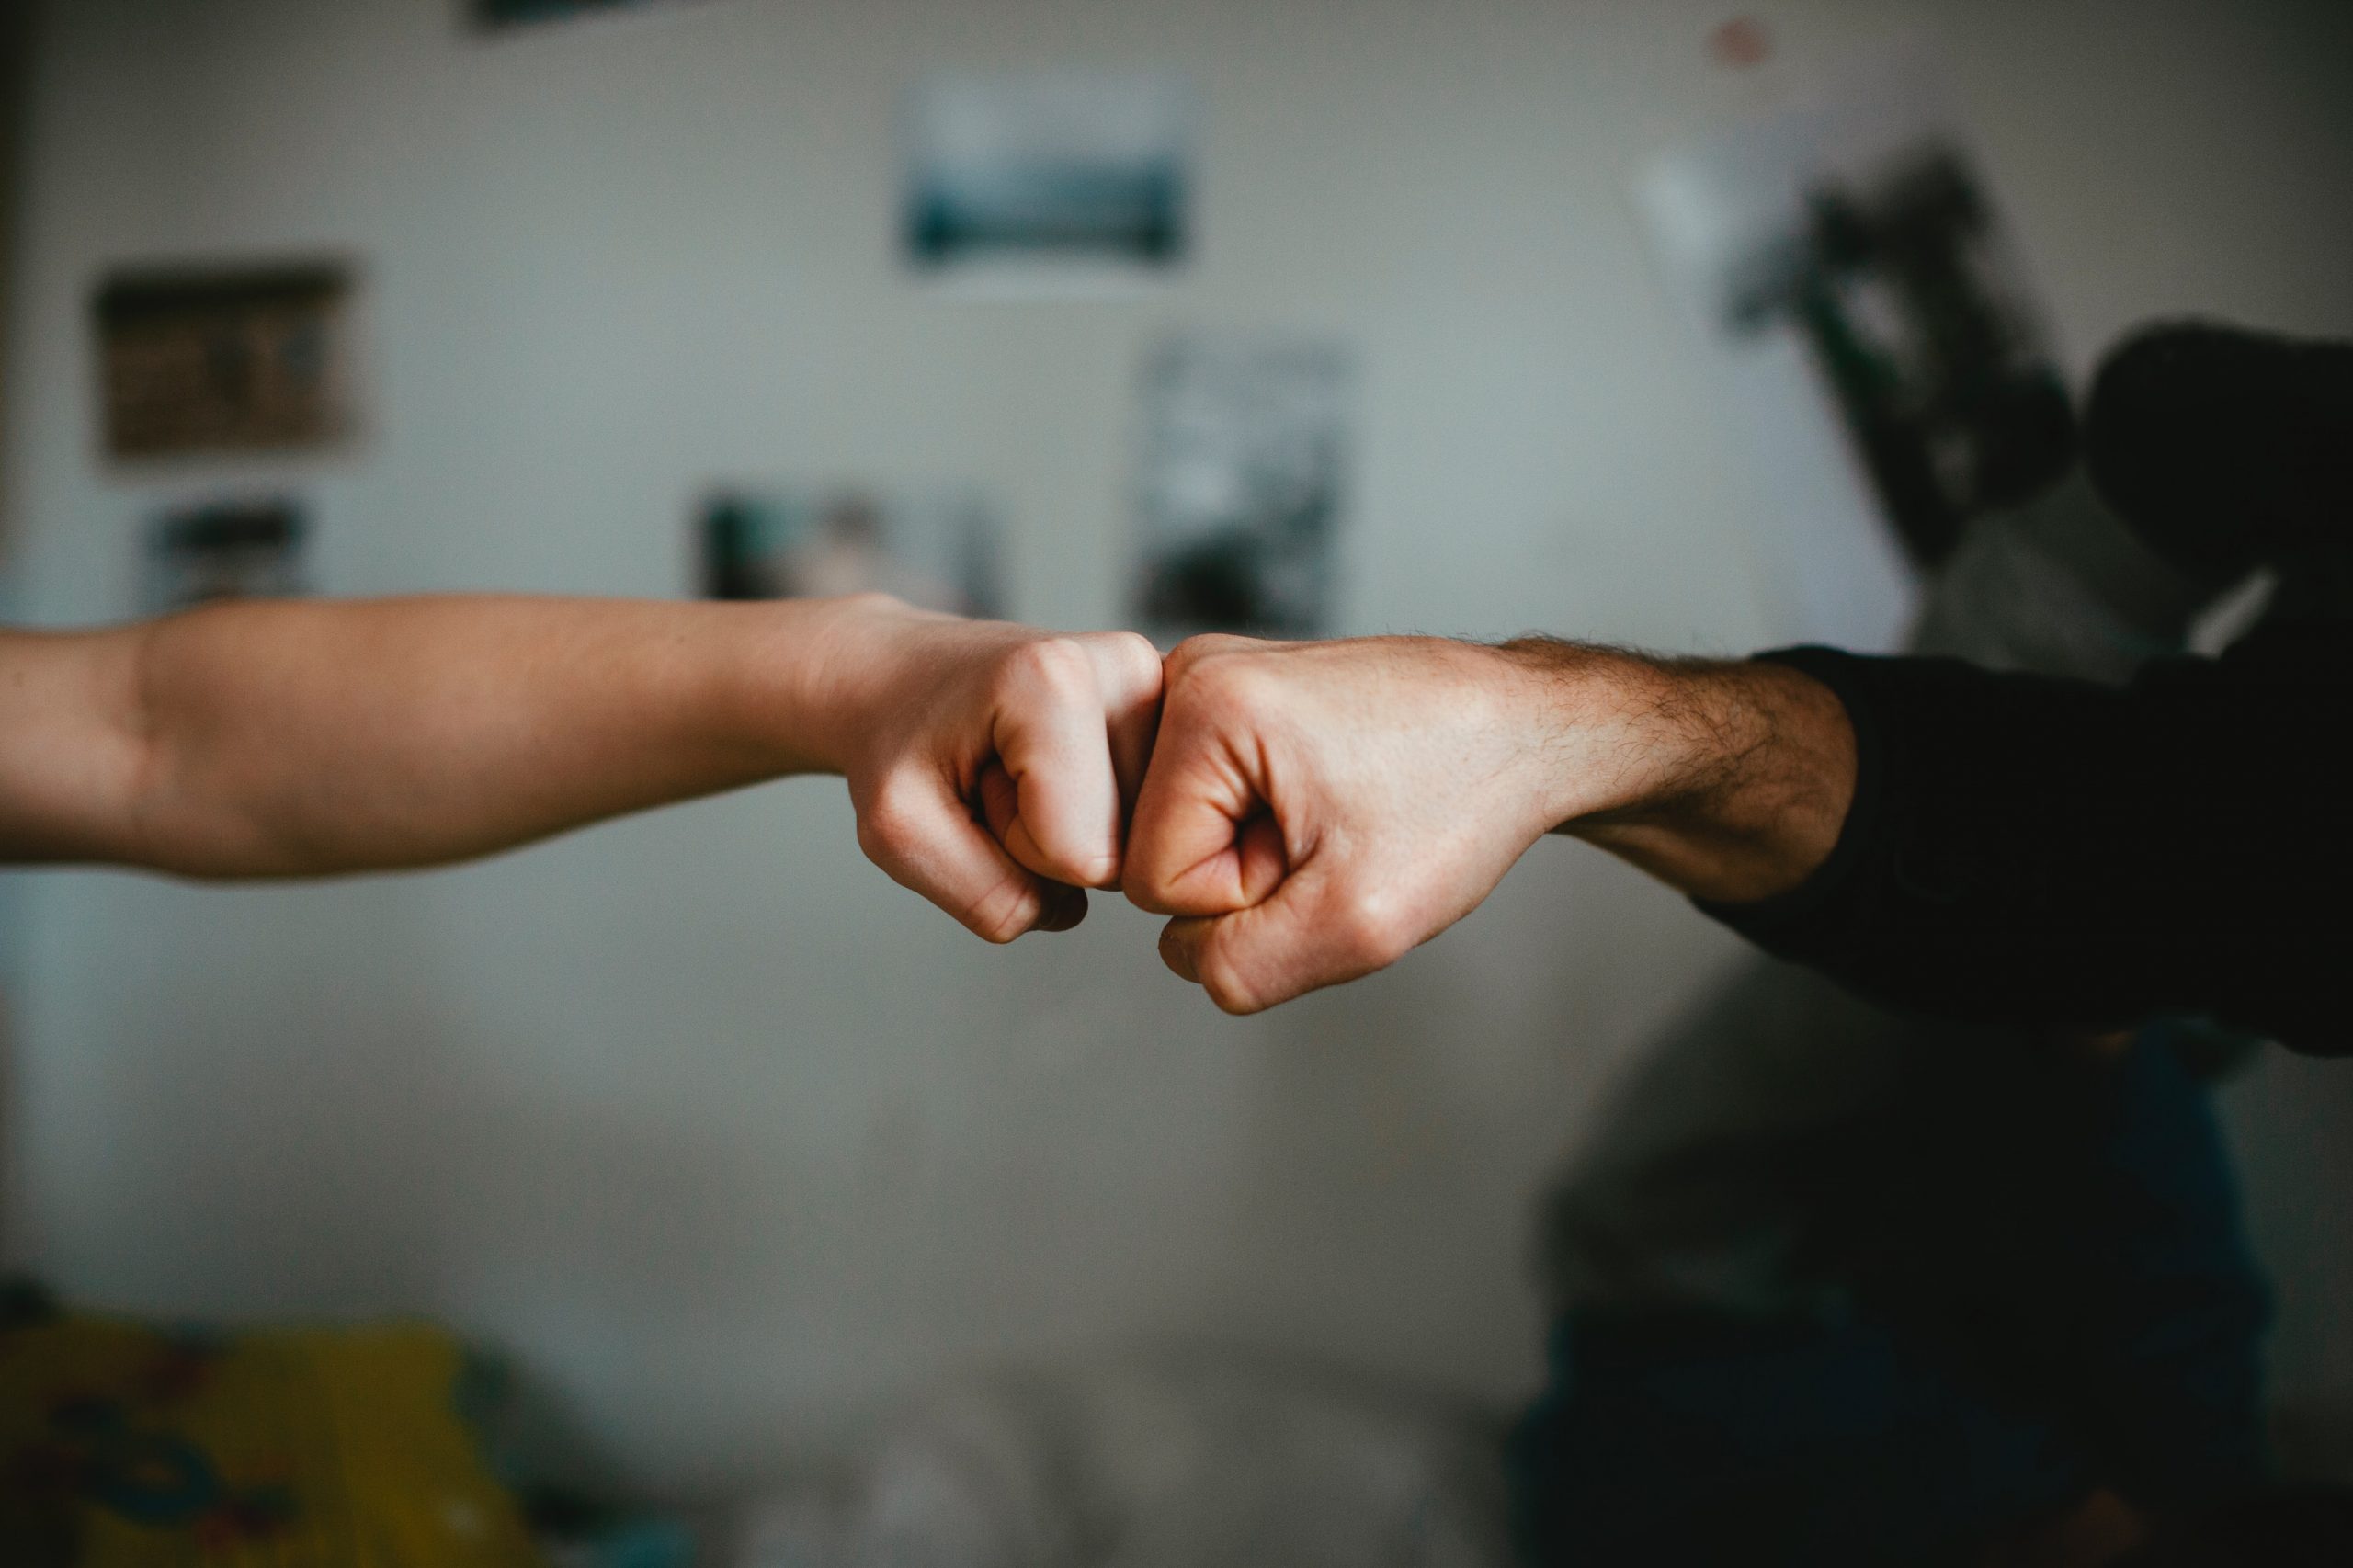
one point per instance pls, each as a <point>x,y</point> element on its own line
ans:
<point>2023,849</point>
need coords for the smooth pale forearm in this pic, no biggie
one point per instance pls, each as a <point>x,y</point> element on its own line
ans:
<point>294,738</point>
<point>1727,781</point>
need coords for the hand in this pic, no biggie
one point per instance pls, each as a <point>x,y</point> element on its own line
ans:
<point>1314,811</point>
<point>992,766</point>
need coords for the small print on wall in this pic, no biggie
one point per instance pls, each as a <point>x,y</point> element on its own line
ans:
<point>938,551</point>
<point>255,360</point>
<point>1241,489</point>
<point>490,14</point>
<point>1048,177</point>
<point>225,549</point>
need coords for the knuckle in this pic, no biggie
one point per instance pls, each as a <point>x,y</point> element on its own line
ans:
<point>1135,653</point>
<point>1056,667</point>
<point>1219,681</point>
<point>1003,913</point>
<point>1240,686</point>
<point>1373,931</point>
<point>1142,880</point>
<point>1223,979</point>
<point>884,847</point>
<point>1190,652</point>
<point>1201,645</point>
<point>888,825</point>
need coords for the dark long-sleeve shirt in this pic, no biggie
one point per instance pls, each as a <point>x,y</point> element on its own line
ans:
<point>2031,850</point>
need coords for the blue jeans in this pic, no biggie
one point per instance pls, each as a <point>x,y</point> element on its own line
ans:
<point>2050,1294</point>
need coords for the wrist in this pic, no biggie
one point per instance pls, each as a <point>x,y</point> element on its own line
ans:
<point>1729,780</point>
<point>815,673</point>
<point>1611,730</point>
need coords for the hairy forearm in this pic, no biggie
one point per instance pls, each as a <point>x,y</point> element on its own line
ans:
<point>1729,781</point>
<point>286,739</point>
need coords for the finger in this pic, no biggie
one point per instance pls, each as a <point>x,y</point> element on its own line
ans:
<point>1261,858</point>
<point>1309,934</point>
<point>1050,739</point>
<point>1126,675</point>
<point>1202,842</point>
<point>921,834</point>
<point>1000,804</point>
<point>1193,650</point>
<point>1180,940</point>
<point>1065,905</point>
<point>1128,670</point>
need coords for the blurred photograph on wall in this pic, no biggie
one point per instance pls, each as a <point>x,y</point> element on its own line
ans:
<point>497,13</point>
<point>225,549</point>
<point>1049,177</point>
<point>1241,484</point>
<point>936,550</point>
<point>1860,230</point>
<point>238,360</point>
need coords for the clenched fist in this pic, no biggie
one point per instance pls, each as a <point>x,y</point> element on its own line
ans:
<point>1314,811</point>
<point>992,765</point>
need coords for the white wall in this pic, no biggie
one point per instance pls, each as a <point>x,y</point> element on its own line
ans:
<point>715,1127</point>
<point>15,47</point>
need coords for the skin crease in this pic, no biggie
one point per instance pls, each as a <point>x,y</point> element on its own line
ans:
<point>318,738</point>
<point>1314,811</point>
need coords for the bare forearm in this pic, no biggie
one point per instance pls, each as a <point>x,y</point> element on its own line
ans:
<point>305,738</point>
<point>1315,810</point>
<point>1729,781</point>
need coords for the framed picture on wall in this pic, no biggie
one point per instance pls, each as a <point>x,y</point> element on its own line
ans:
<point>228,548</point>
<point>1049,177</point>
<point>494,14</point>
<point>1241,484</point>
<point>241,360</point>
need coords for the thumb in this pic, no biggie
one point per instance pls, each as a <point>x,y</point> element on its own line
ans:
<point>1317,929</point>
<point>926,839</point>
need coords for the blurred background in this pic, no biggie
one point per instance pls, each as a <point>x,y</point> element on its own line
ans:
<point>726,1143</point>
